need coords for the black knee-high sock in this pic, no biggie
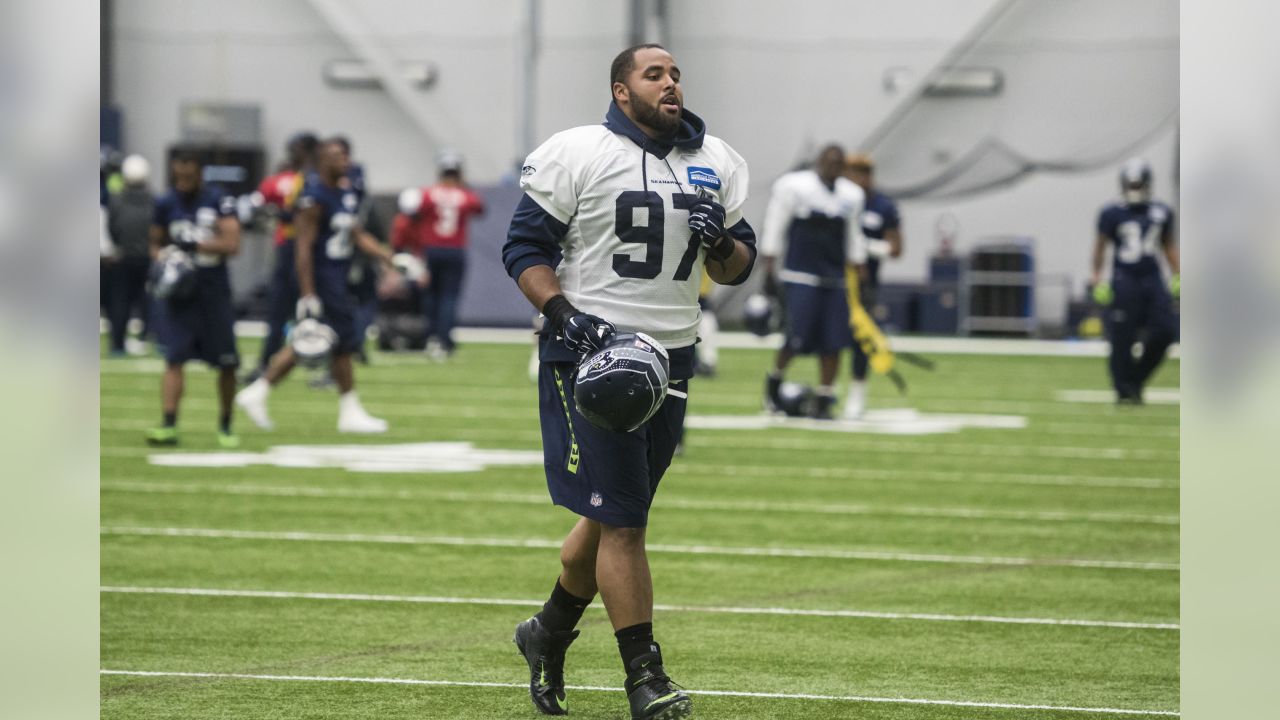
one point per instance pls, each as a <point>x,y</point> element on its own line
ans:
<point>634,642</point>
<point>563,610</point>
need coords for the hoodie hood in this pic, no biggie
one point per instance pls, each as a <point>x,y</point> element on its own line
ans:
<point>689,136</point>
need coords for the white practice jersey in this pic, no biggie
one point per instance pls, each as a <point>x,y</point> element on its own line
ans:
<point>815,228</point>
<point>628,254</point>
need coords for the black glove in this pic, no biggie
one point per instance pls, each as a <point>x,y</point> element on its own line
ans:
<point>581,332</point>
<point>185,244</point>
<point>706,220</point>
<point>771,284</point>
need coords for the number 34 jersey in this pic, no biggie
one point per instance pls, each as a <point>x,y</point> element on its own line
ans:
<point>1137,231</point>
<point>628,255</point>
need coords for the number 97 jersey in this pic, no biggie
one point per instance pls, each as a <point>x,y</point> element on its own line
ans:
<point>1137,231</point>
<point>628,255</point>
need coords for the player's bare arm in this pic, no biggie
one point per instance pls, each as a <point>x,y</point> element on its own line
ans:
<point>894,236</point>
<point>539,284</point>
<point>225,240</point>
<point>1170,243</point>
<point>1100,244</point>
<point>370,246</point>
<point>157,237</point>
<point>306,224</point>
<point>727,270</point>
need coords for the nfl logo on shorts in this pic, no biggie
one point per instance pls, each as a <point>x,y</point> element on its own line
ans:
<point>596,500</point>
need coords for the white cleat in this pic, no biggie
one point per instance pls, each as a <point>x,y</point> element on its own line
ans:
<point>855,405</point>
<point>253,400</point>
<point>361,422</point>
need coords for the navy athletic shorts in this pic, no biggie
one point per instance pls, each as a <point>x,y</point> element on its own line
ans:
<point>607,476</point>
<point>201,327</point>
<point>339,308</point>
<point>817,320</point>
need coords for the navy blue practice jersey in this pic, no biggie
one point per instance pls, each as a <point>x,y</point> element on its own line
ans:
<point>878,217</point>
<point>338,219</point>
<point>1137,233</point>
<point>193,217</point>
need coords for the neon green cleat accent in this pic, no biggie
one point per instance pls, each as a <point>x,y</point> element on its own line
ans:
<point>227,441</point>
<point>162,436</point>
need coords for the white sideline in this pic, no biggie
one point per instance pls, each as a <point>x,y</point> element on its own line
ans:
<point>544,544</point>
<point>592,688</point>
<point>816,508</point>
<point>744,340</point>
<point>797,612</point>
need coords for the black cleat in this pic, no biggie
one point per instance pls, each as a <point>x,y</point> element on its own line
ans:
<point>652,694</point>
<point>772,394</point>
<point>544,651</point>
<point>823,407</point>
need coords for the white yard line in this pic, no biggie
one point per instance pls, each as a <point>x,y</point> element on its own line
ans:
<point>1152,396</point>
<point>970,449</point>
<point>828,442</point>
<point>592,688</point>
<point>548,544</point>
<point>796,612</point>
<point>859,472</point>
<point>855,472</point>
<point>817,508</point>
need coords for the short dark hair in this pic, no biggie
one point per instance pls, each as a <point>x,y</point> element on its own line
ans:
<point>832,149</point>
<point>341,140</point>
<point>187,157</point>
<point>625,62</point>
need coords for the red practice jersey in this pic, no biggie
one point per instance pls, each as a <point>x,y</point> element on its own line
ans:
<point>441,222</point>
<point>280,191</point>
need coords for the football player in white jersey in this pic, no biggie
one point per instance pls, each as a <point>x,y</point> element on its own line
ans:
<point>812,217</point>
<point>612,234</point>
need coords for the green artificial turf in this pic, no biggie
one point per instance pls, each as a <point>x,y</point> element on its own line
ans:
<point>899,524</point>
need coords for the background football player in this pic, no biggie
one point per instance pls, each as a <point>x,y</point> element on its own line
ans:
<point>813,214</point>
<point>882,227</point>
<point>437,230</point>
<point>277,194</point>
<point>327,233</point>
<point>200,221</point>
<point>129,216</point>
<point>1139,303</point>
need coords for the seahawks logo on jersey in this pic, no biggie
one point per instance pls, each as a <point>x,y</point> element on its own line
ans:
<point>704,177</point>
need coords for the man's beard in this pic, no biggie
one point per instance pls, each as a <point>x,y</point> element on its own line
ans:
<point>652,116</point>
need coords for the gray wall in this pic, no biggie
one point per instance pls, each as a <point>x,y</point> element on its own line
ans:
<point>776,80</point>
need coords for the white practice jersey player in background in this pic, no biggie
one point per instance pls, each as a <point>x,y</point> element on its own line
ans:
<point>815,228</point>
<point>812,222</point>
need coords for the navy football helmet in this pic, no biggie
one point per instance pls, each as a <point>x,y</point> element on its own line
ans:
<point>1135,181</point>
<point>760,313</point>
<point>796,399</point>
<point>172,276</point>
<point>621,385</point>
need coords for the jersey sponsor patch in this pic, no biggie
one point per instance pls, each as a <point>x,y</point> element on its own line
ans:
<point>528,170</point>
<point>704,177</point>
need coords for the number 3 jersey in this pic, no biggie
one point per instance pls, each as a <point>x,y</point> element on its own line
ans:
<point>608,207</point>
<point>1137,231</point>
